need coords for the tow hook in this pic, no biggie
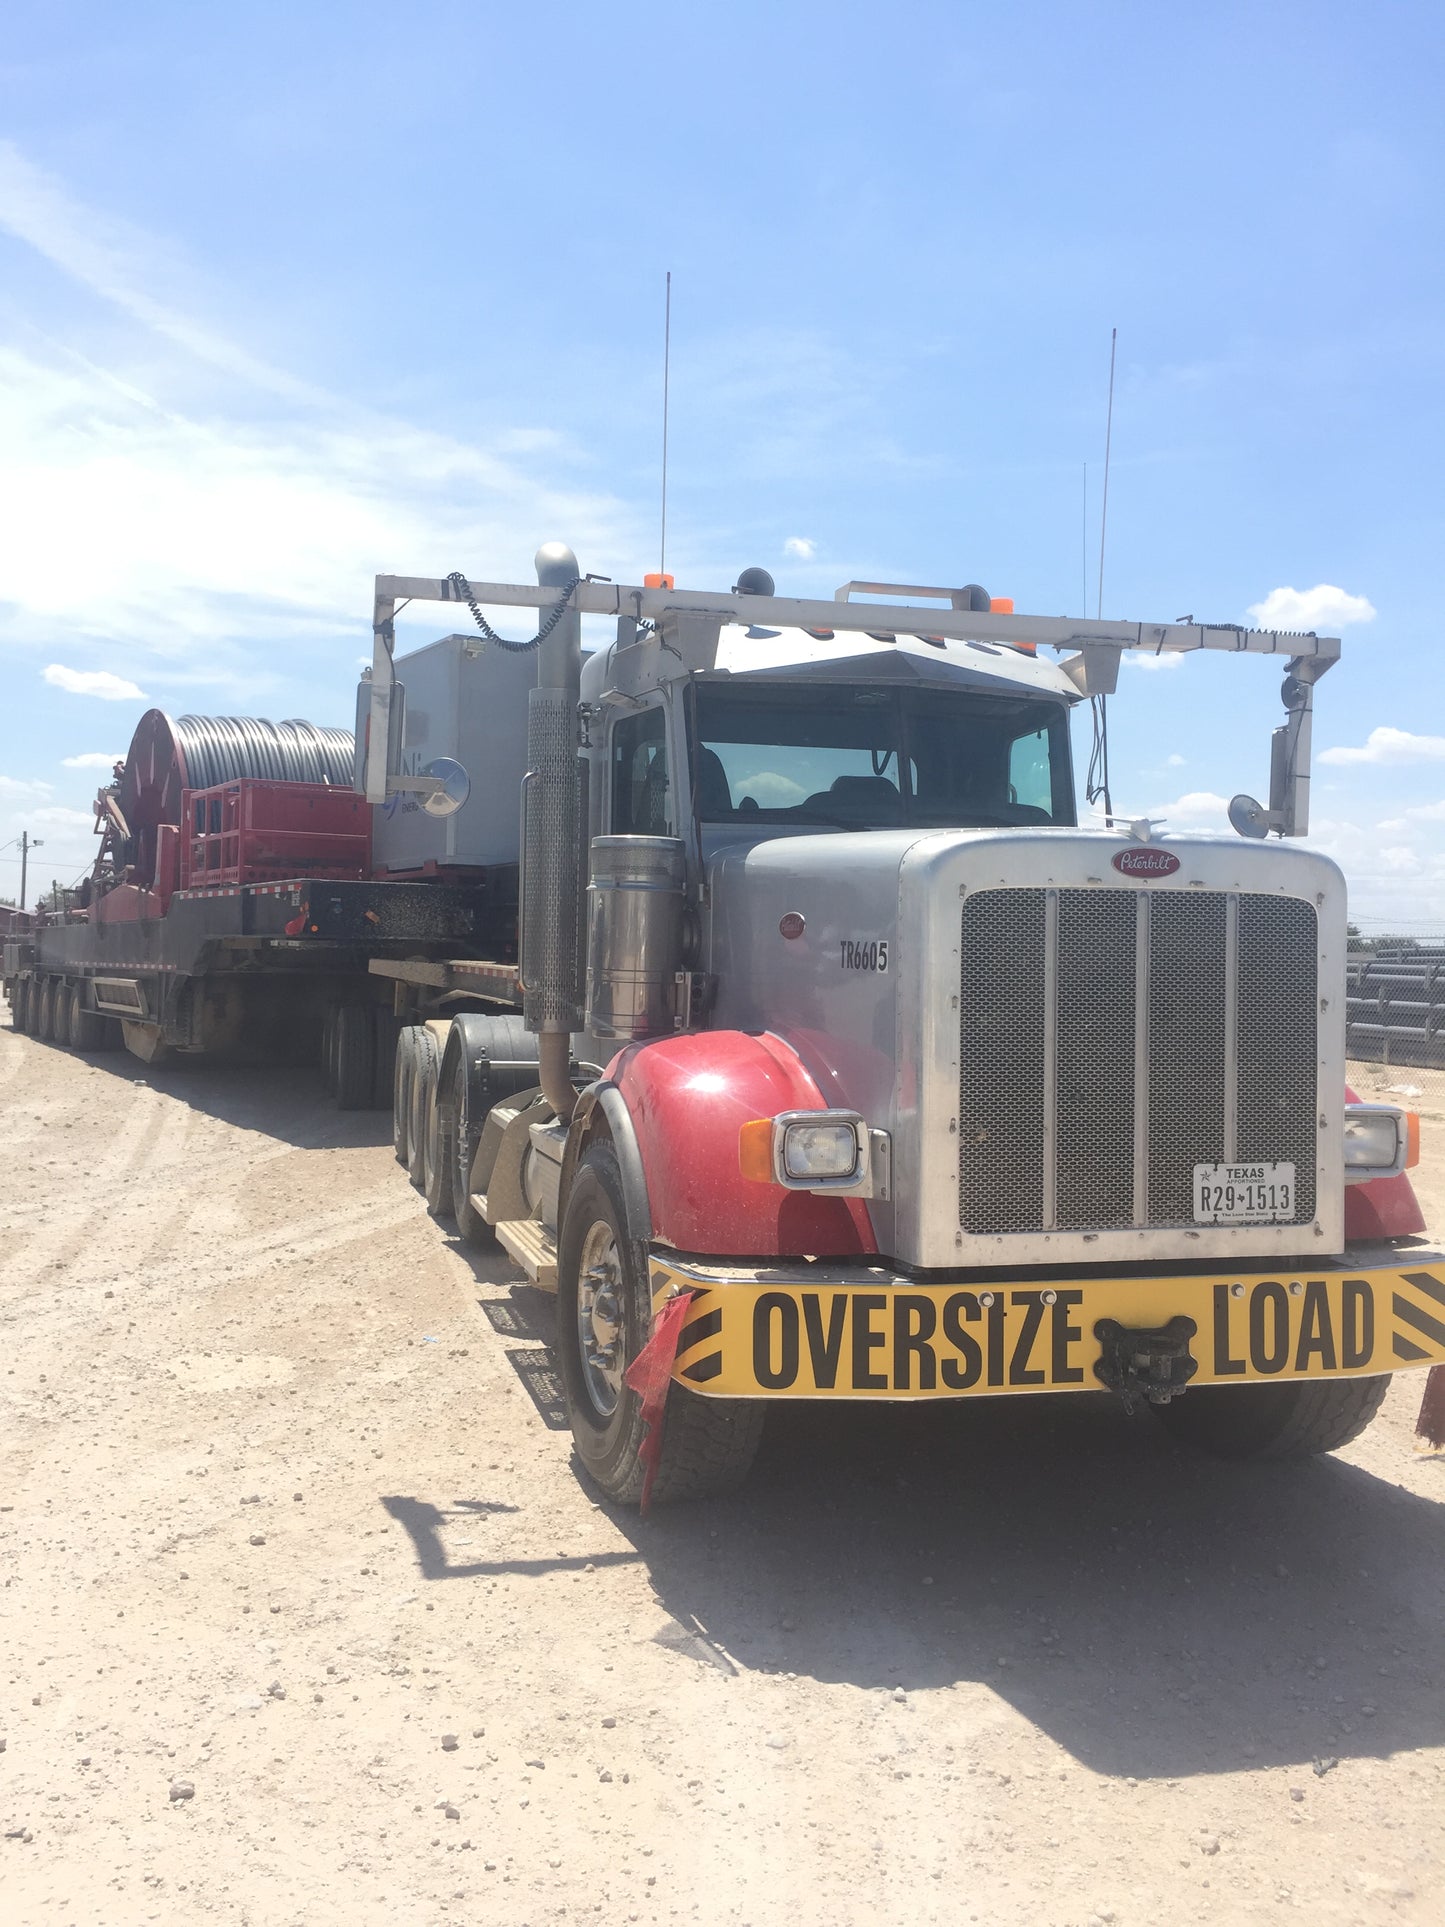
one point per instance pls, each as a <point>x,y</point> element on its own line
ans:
<point>1145,1365</point>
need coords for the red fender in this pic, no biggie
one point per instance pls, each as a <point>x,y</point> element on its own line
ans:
<point>688,1097</point>
<point>1383,1208</point>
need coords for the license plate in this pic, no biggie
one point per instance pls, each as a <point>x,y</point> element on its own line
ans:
<point>1244,1193</point>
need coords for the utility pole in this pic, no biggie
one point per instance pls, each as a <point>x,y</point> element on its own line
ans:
<point>27,844</point>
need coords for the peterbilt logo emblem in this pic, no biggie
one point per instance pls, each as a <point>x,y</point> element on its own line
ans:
<point>1146,863</point>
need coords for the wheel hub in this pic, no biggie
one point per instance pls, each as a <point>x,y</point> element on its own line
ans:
<point>600,1335</point>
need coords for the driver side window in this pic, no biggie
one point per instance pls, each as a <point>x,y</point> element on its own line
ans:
<point>1030,775</point>
<point>641,792</point>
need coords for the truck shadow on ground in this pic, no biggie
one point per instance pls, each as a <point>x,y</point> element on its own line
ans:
<point>285,1103</point>
<point>1156,1613</point>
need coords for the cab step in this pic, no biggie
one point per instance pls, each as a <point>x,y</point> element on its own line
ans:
<point>533,1247</point>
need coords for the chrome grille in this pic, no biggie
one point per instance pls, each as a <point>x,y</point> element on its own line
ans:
<point>1113,1039</point>
<point>1188,1047</point>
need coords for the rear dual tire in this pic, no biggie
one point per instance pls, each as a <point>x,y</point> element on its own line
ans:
<point>52,990</point>
<point>428,1132</point>
<point>465,1134</point>
<point>358,1046</point>
<point>403,1071</point>
<point>1260,1422</point>
<point>85,1028</point>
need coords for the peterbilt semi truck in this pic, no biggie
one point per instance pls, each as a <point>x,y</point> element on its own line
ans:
<point>840,1060</point>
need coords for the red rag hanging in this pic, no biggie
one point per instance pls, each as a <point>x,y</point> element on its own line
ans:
<point>1430,1425</point>
<point>649,1375</point>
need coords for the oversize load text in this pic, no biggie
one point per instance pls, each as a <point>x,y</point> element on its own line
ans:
<point>1038,1337</point>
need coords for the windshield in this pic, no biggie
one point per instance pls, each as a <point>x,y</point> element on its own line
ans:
<point>863,757</point>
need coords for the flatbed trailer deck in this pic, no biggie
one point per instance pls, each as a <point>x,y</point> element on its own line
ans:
<point>251,966</point>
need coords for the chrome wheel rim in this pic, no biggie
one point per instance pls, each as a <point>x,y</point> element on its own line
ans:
<point>599,1319</point>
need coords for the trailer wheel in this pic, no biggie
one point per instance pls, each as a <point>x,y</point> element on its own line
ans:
<point>425,1060</point>
<point>32,1007</point>
<point>87,1027</point>
<point>402,1073</point>
<point>604,1316</point>
<point>355,1054</point>
<point>328,1048</point>
<point>20,1004</point>
<point>466,1132</point>
<point>1293,1421</point>
<point>49,998</point>
<point>383,1075</point>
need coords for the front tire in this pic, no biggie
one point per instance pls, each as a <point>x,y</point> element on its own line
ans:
<point>604,1317</point>
<point>1294,1421</point>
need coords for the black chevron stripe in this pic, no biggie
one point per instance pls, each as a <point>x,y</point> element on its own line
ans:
<point>707,1325</point>
<point>1427,1282</point>
<point>1427,1326</point>
<point>705,1368</point>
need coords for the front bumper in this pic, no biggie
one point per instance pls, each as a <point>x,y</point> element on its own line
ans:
<point>829,1330</point>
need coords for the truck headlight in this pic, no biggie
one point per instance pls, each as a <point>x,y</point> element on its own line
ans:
<point>1379,1140</point>
<point>812,1151</point>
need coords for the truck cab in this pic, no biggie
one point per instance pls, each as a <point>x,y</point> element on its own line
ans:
<point>873,1073</point>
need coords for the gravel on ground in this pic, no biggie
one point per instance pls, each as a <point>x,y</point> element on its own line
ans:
<point>307,1616</point>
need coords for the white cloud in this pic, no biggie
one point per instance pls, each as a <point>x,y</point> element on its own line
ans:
<point>91,759</point>
<point>21,786</point>
<point>93,682</point>
<point>1166,659</point>
<point>56,817</point>
<point>1386,745</point>
<point>1421,813</point>
<point>1195,810</point>
<point>769,789</point>
<point>800,546</point>
<point>1322,608</point>
<point>113,261</point>
<point>256,513</point>
<point>1174,762</point>
<point>1401,881</point>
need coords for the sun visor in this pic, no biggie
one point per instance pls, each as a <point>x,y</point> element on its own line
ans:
<point>887,666</point>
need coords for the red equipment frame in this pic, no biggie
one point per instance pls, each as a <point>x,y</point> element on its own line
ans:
<point>254,831</point>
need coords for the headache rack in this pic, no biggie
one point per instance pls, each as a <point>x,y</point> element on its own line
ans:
<point>686,625</point>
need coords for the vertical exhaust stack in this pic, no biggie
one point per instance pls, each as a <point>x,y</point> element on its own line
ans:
<point>551,801</point>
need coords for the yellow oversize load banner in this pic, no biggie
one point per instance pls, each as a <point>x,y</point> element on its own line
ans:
<point>829,1333</point>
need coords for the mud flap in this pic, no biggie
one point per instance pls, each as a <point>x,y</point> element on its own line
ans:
<point>649,1375</point>
<point>1430,1426</point>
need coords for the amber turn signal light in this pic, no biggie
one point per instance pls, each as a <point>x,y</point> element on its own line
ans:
<point>755,1150</point>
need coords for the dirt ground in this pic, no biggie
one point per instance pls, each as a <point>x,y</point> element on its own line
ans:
<point>306,1617</point>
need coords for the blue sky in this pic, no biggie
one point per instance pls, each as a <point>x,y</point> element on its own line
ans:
<point>291,294</point>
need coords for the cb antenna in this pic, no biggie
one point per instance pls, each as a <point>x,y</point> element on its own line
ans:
<point>666,385</point>
<point>1108,444</point>
<point>1097,782</point>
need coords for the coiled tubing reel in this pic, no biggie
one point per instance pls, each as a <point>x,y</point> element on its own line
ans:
<point>170,755</point>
